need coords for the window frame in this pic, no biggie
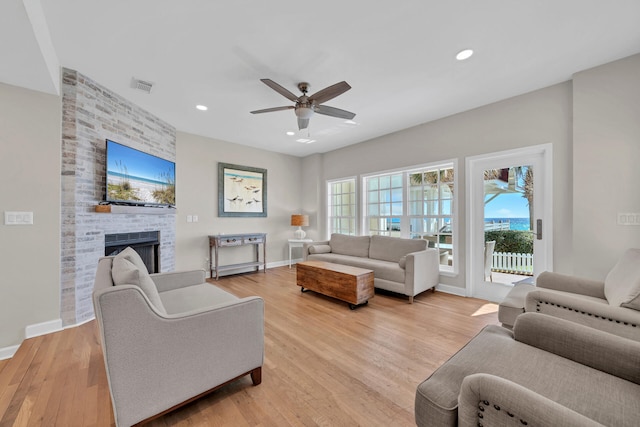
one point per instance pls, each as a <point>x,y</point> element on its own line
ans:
<point>354,181</point>
<point>405,217</point>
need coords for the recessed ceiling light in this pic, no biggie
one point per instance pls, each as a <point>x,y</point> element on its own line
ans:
<point>464,54</point>
<point>202,107</point>
<point>305,140</point>
<point>350,122</point>
<point>291,133</point>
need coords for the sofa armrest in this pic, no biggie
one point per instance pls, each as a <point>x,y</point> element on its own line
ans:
<point>587,311</point>
<point>177,279</point>
<point>588,346</point>
<point>572,284</point>
<point>306,246</point>
<point>490,400</point>
<point>156,362</point>
<point>422,271</point>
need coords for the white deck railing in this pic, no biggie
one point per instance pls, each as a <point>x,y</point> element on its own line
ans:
<point>514,263</point>
<point>497,225</point>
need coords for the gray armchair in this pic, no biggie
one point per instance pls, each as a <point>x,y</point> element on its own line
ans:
<point>547,372</point>
<point>612,305</point>
<point>169,338</point>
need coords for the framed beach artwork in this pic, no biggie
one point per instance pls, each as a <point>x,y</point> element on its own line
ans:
<point>242,191</point>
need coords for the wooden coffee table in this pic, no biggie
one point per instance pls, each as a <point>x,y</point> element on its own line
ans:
<point>350,284</point>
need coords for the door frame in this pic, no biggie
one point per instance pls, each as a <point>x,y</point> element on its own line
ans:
<point>474,217</point>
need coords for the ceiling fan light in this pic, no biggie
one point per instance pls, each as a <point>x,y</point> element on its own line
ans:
<point>464,54</point>
<point>304,112</point>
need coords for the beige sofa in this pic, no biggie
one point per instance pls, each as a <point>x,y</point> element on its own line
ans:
<point>404,266</point>
<point>168,338</point>
<point>547,372</point>
<point>612,305</point>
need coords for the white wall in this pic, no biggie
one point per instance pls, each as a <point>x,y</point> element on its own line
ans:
<point>197,194</point>
<point>543,116</point>
<point>30,181</point>
<point>606,162</point>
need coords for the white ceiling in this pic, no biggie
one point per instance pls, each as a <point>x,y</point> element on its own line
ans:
<point>397,56</point>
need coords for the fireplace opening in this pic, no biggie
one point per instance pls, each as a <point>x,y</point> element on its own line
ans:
<point>145,243</point>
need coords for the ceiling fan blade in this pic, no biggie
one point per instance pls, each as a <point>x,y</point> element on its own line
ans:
<point>334,112</point>
<point>330,92</point>
<point>282,91</point>
<point>268,110</point>
<point>303,123</point>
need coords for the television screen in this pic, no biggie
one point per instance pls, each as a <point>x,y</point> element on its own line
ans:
<point>134,177</point>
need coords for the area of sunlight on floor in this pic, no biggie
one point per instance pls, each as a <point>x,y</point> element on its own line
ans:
<point>486,309</point>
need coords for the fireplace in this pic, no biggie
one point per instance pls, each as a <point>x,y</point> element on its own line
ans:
<point>145,243</point>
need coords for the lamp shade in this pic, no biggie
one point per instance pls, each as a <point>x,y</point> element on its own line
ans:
<point>300,220</point>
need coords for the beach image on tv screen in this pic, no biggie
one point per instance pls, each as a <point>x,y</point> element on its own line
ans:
<point>137,177</point>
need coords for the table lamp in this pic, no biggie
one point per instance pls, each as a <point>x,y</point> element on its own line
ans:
<point>300,221</point>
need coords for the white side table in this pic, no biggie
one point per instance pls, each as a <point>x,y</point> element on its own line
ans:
<point>296,243</point>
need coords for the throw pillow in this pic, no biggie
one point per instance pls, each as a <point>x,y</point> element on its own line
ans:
<point>319,249</point>
<point>129,269</point>
<point>622,284</point>
<point>403,262</point>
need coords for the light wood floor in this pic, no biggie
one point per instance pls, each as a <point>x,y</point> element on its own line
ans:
<point>325,365</point>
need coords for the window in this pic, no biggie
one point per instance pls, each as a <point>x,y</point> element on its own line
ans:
<point>431,209</point>
<point>342,206</point>
<point>384,205</point>
<point>415,203</point>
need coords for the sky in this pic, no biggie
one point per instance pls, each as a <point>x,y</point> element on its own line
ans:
<point>139,164</point>
<point>509,205</point>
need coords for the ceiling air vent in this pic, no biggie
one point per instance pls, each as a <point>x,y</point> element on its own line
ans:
<point>143,85</point>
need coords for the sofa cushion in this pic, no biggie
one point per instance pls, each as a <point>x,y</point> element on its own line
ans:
<point>622,284</point>
<point>393,248</point>
<point>129,269</point>
<point>513,304</point>
<point>350,245</point>
<point>588,346</point>
<point>319,249</point>
<point>189,298</point>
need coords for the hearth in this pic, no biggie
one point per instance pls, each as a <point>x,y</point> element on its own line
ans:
<point>145,243</point>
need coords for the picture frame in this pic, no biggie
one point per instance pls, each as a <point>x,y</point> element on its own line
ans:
<point>242,191</point>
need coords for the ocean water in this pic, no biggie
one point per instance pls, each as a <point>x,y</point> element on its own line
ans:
<point>521,224</point>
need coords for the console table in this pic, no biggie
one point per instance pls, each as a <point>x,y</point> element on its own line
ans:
<point>231,240</point>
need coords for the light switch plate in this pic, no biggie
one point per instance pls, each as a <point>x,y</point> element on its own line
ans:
<point>628,218</point>
<point>18,218</point>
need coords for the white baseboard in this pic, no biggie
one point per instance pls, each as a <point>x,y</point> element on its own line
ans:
<point>43,328</point>
<point>8,352</point>
<point>448,289</point>
<point>36,330</point>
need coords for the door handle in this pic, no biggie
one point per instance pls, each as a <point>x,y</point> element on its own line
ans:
<point>539,229</point>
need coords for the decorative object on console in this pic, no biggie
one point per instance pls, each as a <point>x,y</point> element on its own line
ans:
<point>242,191</point>
<point>300,221</point>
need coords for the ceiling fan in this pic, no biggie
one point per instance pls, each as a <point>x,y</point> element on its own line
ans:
<point>307,105</point>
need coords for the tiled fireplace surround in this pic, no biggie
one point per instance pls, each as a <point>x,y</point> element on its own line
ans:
<point>90,114</point>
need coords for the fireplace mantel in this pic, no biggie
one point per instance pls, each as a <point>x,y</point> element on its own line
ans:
<point>147,210</point>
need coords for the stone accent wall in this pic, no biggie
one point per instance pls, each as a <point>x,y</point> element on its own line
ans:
<point>91,114</point>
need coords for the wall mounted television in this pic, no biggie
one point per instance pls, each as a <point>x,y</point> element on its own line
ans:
<point>138,178</point>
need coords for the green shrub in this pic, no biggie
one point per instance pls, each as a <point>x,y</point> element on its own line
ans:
<point>513,241</point>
